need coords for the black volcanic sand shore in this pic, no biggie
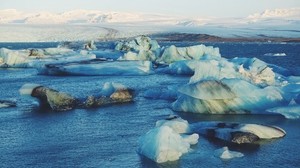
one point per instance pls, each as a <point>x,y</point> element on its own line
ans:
<point>210,38</point>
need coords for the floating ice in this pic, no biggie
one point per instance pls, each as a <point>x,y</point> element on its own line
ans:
<point>37,58</point>
<point>11,58</point>
<point>177,124</point>
<point>197,52</point>
<point>165,143</point>
<point>27,88</point>
<point>162,144</point>
<point>99,68</point>
<point>255,70</point>
<point>237,133</point>
<point>141,48</point>
<point>275,54</point>
<point>110,87</point>
<point>7,103</point>
<point>292,111</point>
<point>228,96</point>
<point>225,153</point>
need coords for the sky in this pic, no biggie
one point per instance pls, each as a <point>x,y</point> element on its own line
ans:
<point>188,8</point>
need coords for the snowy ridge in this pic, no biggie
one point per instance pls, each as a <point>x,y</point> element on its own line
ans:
<point>95,16</point>
<point>84,25</point>
<point>293,13</point>
<point>79,16</point>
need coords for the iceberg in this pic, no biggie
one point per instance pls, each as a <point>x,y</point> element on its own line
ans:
<point>49,98</point>
<point>226,154</point>
<point>37,58</point>
<point>256,70</point>
<point>77,45</point>
<point>275,54</point>
<point>166,142</point>
<point>112,93</point>
<point>228,96</point>
<point>170,139</point>
<point>292,111</point>
<point>98,67</point>
<point>237,133</point>
<point>141,48</point>
<point>172,54</point>
<point>162,144</point>
<point>176,123</point>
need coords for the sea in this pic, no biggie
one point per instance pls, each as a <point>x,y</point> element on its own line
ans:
<point>108,136</point>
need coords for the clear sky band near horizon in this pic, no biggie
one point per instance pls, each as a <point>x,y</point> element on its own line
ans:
<point>189,8</point>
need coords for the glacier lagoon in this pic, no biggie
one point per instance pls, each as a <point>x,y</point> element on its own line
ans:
<point>107,136</point>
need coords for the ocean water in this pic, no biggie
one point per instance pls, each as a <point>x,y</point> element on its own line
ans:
<point>107,136</point>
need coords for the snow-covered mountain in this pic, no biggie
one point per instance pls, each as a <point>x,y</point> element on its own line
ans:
<point>93,24</point>
<point>277,16</point>
<point>289,14</point>
<point>80,16</point>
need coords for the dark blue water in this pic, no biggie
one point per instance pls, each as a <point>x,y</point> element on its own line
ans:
<point>107,136</point>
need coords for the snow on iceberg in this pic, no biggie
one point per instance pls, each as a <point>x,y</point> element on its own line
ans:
<point>228,96</point>
<point>99,68</point>
<point>176,123</point>
<point>226,154</point>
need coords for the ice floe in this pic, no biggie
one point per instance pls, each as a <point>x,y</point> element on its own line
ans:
<point>173,136</point>
<point>7,103</point>
<point>35,58</point>
<point>99,68</point>
<point>275,54</point>
<point>226,154</point>
<point>172,54</point>
<point>165,143</point>
<point>228,96</point>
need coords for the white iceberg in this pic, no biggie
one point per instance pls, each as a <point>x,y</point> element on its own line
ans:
<point>197,52</point>
<point>110,87</point>
<point>257,71</point>
<point>163,144</point>
<point>7,103</point>
<point>275,54</point>
<point>37,58</point>
<point>141,48</point>
<point>26,89</point>
<point>176,123</point>
<point>226,154</point>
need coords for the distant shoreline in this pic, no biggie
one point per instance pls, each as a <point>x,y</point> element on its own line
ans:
<point>177,37</point>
